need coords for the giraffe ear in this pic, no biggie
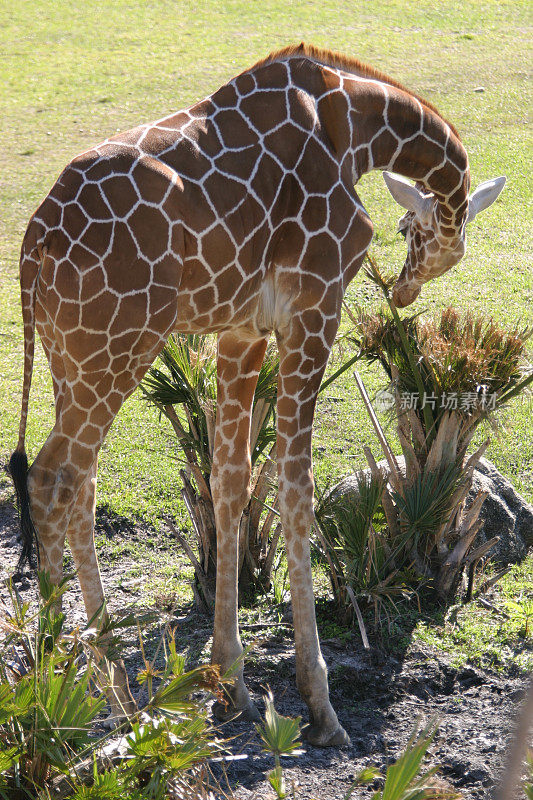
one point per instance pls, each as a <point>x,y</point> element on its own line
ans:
<point>408,196</point>
<point>484,196</point>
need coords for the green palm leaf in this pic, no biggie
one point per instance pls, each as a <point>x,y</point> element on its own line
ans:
<point>173,697</point>
<point>400,776</point>
<point>280,735</point>
<point>426,503</point>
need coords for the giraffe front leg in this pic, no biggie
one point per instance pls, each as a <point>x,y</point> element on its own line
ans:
<point>302,365</point>
<point>238,367</point>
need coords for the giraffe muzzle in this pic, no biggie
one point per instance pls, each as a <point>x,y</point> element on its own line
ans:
<point>403,296</point>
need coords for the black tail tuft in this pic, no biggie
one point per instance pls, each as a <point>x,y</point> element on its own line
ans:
<point>18,467</point>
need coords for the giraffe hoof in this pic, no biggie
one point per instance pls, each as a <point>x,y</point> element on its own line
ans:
<point>226,712</point>
<point>320,738</point>
<point>113,721</point>
<point>120,713</point>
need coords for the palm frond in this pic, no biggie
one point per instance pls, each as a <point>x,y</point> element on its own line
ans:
<point>425,504</point>
<point>280,735</point>
<point>469,364</point>
<point>191,379</point>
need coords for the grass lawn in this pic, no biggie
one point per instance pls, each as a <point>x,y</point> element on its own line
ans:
<point>72,74</point>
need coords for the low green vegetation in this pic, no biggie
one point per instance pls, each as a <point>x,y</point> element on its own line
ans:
<point>528,785</point>
<point>493,632</point>
<point>50,697</point>
<point>496,636</point>
<point>51,692</point>
<point>408,778</point>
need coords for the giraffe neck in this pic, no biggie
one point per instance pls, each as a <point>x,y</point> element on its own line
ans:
<point>377,124</point>
<point>392,130</point>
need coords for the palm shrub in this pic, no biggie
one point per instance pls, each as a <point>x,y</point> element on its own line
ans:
<point>355,545</point>
<point>49,701</point>
<point>183,387</point>
<point>446,377</point>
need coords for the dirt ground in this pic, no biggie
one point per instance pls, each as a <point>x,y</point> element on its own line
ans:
<point>378,697</point>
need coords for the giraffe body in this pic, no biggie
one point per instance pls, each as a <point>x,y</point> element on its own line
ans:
<point>237,217</point>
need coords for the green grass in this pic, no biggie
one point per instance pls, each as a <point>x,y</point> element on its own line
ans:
<point>72,74</point>
<point>486,637</point>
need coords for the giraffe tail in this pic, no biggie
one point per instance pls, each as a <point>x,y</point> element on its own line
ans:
<point>31,257</point>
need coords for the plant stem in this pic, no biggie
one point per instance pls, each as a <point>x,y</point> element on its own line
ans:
<point>428,416</point>
<point>339,372</point>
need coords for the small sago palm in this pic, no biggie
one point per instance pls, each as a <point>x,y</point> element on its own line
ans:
<point>446,377</point>
<point>281,737</point>
<point>354,543</point>
<point>184,388</point>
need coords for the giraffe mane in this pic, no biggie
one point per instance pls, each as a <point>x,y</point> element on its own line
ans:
<point>332,58</point>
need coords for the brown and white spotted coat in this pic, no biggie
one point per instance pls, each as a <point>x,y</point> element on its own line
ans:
<point>237,216</point>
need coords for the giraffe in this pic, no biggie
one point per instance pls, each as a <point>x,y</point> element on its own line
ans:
<point>237,216</point>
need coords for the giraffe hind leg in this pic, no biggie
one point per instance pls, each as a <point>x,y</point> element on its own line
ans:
<point>62,480</point>
<point>80,535</point>
<point>62,485</point>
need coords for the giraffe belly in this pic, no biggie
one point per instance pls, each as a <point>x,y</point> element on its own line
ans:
<point>213,300</point>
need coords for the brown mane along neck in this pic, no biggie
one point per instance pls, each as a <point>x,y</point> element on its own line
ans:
<point>337,60</point>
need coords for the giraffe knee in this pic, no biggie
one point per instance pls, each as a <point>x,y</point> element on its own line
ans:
<point>231,490</point>
<point>65,488</point>
<point>52,493</point>
<point>296,492</point>
<point>297,516</point>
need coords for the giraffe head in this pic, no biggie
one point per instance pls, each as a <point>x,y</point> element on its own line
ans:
<point>435,233</point>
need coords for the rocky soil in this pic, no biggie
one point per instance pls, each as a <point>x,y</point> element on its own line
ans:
<point>378,696</point>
